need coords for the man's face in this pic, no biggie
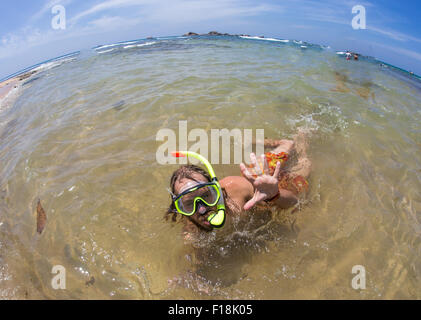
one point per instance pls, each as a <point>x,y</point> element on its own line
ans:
<point>202,211</point>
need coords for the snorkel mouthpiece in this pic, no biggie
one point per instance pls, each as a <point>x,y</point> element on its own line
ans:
<point>216,220</point>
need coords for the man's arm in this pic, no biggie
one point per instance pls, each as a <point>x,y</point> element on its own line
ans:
<point>285,200</point>
<point>241,191</point>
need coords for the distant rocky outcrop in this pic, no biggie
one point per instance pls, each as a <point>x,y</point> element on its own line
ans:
<point>216,33</point>
<point>190,34</point>
<point>26,75</point>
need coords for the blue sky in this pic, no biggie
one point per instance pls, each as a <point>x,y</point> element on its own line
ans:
<point>392,29</point>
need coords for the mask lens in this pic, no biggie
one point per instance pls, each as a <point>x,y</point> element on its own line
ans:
<point>186,203</point>
<point>207,193</point>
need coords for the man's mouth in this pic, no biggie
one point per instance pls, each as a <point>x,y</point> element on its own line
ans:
<point>204,218</point>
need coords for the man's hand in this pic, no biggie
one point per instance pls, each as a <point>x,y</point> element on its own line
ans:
<point>265,185</point>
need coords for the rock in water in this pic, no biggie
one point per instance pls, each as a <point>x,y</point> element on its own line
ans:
<point>118,105</point>
<point>190,34</point>
<point>214,33</point>
<point>41,217</point>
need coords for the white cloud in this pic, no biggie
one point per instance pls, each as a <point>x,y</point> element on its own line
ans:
<point>102,18</point>
<point>47,8</point>
<point>22,40</point>
<point>409,53</point>
<point>339,12</point>
<point>196,11</point>
<point>174,10</point>
<point>106,22</point>
<point>107,5</point>
<point>395,35</point>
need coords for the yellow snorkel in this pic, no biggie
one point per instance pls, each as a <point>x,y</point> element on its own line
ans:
<point>216,220</point>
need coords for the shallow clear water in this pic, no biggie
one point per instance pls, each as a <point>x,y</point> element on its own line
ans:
<point>82,138</point>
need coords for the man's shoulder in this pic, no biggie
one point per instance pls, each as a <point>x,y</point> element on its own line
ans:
<point>238,189</point>
<point>235,184</point>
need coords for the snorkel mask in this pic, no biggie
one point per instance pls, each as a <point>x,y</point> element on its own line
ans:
<point>209,193</point>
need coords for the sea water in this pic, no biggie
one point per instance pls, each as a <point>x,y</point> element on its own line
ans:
<point>81,137</point>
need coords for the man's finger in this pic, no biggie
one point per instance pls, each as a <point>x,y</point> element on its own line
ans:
<point>277,170</point>
<point>253,158</point>
<point>246,173</point>
<point>256,166</point>
<point>250,204</point>
<point>265,164</point>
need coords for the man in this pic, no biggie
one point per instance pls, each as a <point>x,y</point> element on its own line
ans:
<point>275,180</point>
<point>348,55</point>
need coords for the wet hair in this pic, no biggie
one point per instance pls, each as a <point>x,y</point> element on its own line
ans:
<point>184,172</point>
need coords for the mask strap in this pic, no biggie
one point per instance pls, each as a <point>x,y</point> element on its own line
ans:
<point>171,193</point>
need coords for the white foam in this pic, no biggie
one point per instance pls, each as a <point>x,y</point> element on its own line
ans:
<point>140,45</point>
<point>109,50</point>
<point>106,46</point>
<point>51,64</point>
<point>313,121</point>
<point>114,45</point>
<point>268,39</point>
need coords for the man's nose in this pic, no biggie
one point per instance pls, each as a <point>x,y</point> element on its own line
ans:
<point>201,209</point>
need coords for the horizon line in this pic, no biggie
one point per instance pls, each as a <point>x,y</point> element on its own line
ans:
<point>29,68</point>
